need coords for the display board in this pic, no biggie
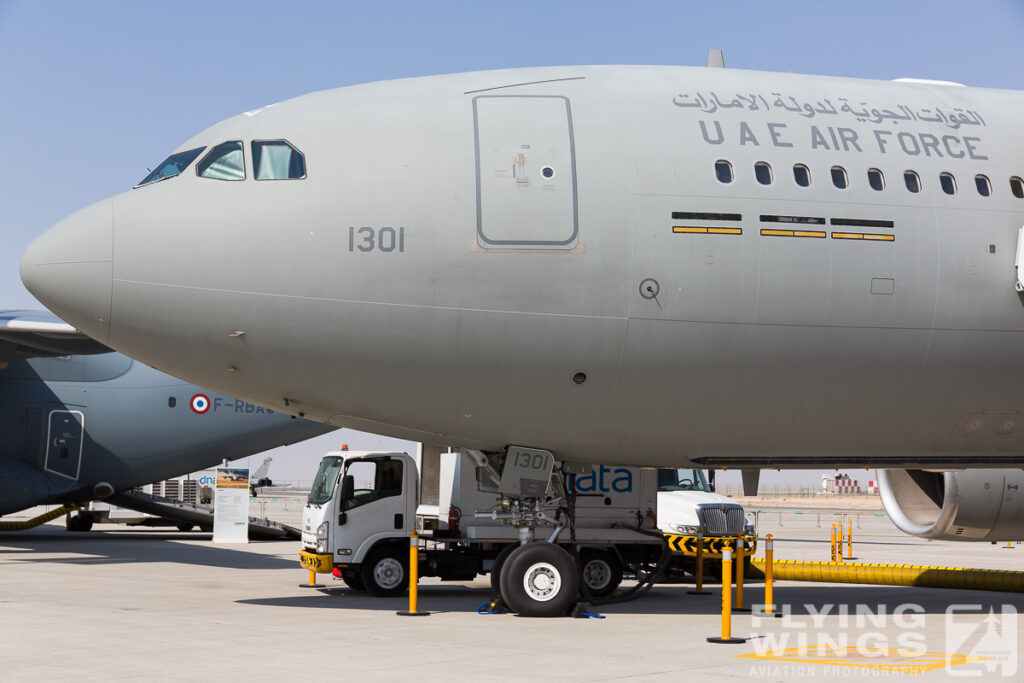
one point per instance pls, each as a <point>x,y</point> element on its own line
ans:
<point>231,506</point>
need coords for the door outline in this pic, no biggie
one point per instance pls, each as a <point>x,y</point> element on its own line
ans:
<point>81,441</point>
<point>481,237</point>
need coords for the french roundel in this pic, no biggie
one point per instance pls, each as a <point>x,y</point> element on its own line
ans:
<point>200,403</point>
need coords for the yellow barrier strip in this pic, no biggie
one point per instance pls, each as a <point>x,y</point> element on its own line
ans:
<point>41,519</point>
<point>897,575</point>
<point>685,229</point>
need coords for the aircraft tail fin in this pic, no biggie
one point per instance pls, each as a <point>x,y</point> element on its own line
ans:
<point>262,471</point>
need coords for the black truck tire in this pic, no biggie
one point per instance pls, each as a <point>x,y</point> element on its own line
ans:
<point>601,571</point>
<point>353,579</point>
<point>385,572</point>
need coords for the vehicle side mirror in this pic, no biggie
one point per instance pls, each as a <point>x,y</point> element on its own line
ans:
<point>348,487</point>
<point>342,518</point>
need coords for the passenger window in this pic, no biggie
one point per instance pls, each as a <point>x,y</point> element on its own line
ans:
<point>948,183</point>
<point>226,161</point>
<point>984,186</point>
<point>802,175</point>
<point>912,180</point>
<point>763,172</point>
<point>839,178</point>
<point>875,179</point>
<point>1017,187</point>
<point>277,160</point>
<point>723,171</point>
<point>171,166</point>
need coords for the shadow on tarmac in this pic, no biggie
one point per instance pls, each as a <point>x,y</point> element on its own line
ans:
<point>134,546</point>
<point>798,600</point>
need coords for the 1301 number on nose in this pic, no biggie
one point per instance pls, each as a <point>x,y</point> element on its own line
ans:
<point>382,239</point>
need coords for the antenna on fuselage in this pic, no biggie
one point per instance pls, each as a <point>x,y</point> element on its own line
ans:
<point>716,60</point>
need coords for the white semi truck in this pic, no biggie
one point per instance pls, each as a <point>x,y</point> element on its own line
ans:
<point>363,507</point>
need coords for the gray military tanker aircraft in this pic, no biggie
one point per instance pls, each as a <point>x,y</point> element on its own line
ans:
<point>81,427</point>
<point>661,266</point>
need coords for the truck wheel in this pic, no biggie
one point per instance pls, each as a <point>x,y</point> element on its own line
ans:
<point>601,571</point>
<point>540,580</point>
<point>185,527</point>
<point>384,573</point>
<point>499,562</point>
<point>353,579</point>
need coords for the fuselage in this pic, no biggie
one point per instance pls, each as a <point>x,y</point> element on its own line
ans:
<point>550,257</point>
<point>72,423</point>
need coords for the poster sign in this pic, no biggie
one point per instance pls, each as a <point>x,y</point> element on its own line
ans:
<point>231,506</point>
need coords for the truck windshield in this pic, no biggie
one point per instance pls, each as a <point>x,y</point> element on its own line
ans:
<point>682,480</point>
<point>326,478</point>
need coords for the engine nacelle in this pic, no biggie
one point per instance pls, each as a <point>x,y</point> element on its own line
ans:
<point>967,505</point>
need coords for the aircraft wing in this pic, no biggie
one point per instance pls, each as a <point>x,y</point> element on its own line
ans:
<point>34,334</point>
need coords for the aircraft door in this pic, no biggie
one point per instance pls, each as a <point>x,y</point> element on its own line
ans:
<point>64,441</point>
<point>525,172</point>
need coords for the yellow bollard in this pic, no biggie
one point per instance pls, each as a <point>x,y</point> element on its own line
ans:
<point>740,566</point>
<point>849,538</point>
<point>833,561</point>
<point>1008,547</point>
<point>312,581</point>
<point>839,542</point>
<point>769,581</point>
<point>414,577</point>
<point>726,636</point>
<point>699,571</point>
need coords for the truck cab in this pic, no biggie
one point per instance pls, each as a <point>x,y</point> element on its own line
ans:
<point>687,506</point>
<point>362,503</point>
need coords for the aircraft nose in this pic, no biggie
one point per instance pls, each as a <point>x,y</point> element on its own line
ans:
<point>68,268</point>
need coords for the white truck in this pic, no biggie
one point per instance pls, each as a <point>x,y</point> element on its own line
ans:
<point>363,507</point>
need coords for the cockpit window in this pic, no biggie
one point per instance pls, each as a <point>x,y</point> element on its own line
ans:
<point>171,166</point>
<point>224,162</point>
<point>277,160</point>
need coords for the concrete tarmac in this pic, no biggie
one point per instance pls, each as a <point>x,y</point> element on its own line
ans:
<point>126,604</point>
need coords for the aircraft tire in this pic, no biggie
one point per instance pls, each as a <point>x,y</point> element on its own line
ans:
<point>499,562</point>
<point>385,573</point>
<point>78,522</point>
<point>601,571</point>
<point>540,580</point>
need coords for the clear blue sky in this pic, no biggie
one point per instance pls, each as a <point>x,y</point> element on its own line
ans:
<point>91,93</point>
